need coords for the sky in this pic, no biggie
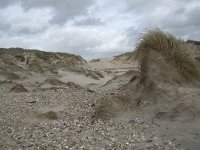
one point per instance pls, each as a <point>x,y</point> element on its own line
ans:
<point>93,28</point>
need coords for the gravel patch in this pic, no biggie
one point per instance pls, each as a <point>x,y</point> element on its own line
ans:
<point>72,128</point>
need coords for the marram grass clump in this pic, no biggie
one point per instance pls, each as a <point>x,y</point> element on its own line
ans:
<point>173,50</point>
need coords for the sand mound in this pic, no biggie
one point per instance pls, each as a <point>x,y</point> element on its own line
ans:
<point>44,114</point>
<point>54,84</point>
<point>57,82</point>
<point>51,115</point>
<point>74,85</point>
<point>166,72</point>
<point>53,81</point>
<point>113,107</point>
<point>18,89</point>
<point>5,82</point>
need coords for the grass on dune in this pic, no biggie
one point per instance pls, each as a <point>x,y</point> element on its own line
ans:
<point>173,50</point>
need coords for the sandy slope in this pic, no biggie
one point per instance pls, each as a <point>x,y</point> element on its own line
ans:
<point>108,67</point>
<point>110,63</point>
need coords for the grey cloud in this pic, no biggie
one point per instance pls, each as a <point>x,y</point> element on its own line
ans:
<point>141,6</point>
<point>63,9</point>
<point>6,3</point>
<point>190,32</point>
<point>180,10</point>
<point>28,31</point>
<point>178,17</point>
<point>187,1</point>
<point>185,25</point>
<point>74,43</point>
<point>193,16</point>
<point>4,26</point>
<point>182,20</point>
<point>144,6</point>
<point>22,23</point>
<point>89,21</point>
<point>132,34</point>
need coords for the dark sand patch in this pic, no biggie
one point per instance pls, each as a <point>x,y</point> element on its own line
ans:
<point>18,89</point>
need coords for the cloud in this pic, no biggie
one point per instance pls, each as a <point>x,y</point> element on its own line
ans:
<point>4,26</point>
<point>178,17</point>
<point>21,22</point>
<point>6,3</point>
<point>89,22</point>
<point>87,42</point>
<point>181,20</point>
<point>132,36</point>
<point>93,28</point>
<point>63,9</point>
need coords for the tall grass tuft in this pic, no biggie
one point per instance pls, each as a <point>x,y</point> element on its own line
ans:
<point>173,50</point>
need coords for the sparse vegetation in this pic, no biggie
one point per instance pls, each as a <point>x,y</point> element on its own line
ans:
<point>36,68</point>
<point>37,61</point>
<point>20,58</point>
<point>194,42</point>
<point>126,56</point>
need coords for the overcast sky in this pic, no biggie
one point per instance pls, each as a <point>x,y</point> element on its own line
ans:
<point>93,28</point>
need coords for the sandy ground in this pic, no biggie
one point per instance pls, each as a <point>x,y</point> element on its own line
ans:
<point>110,63</point>
<point>62,116</point>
